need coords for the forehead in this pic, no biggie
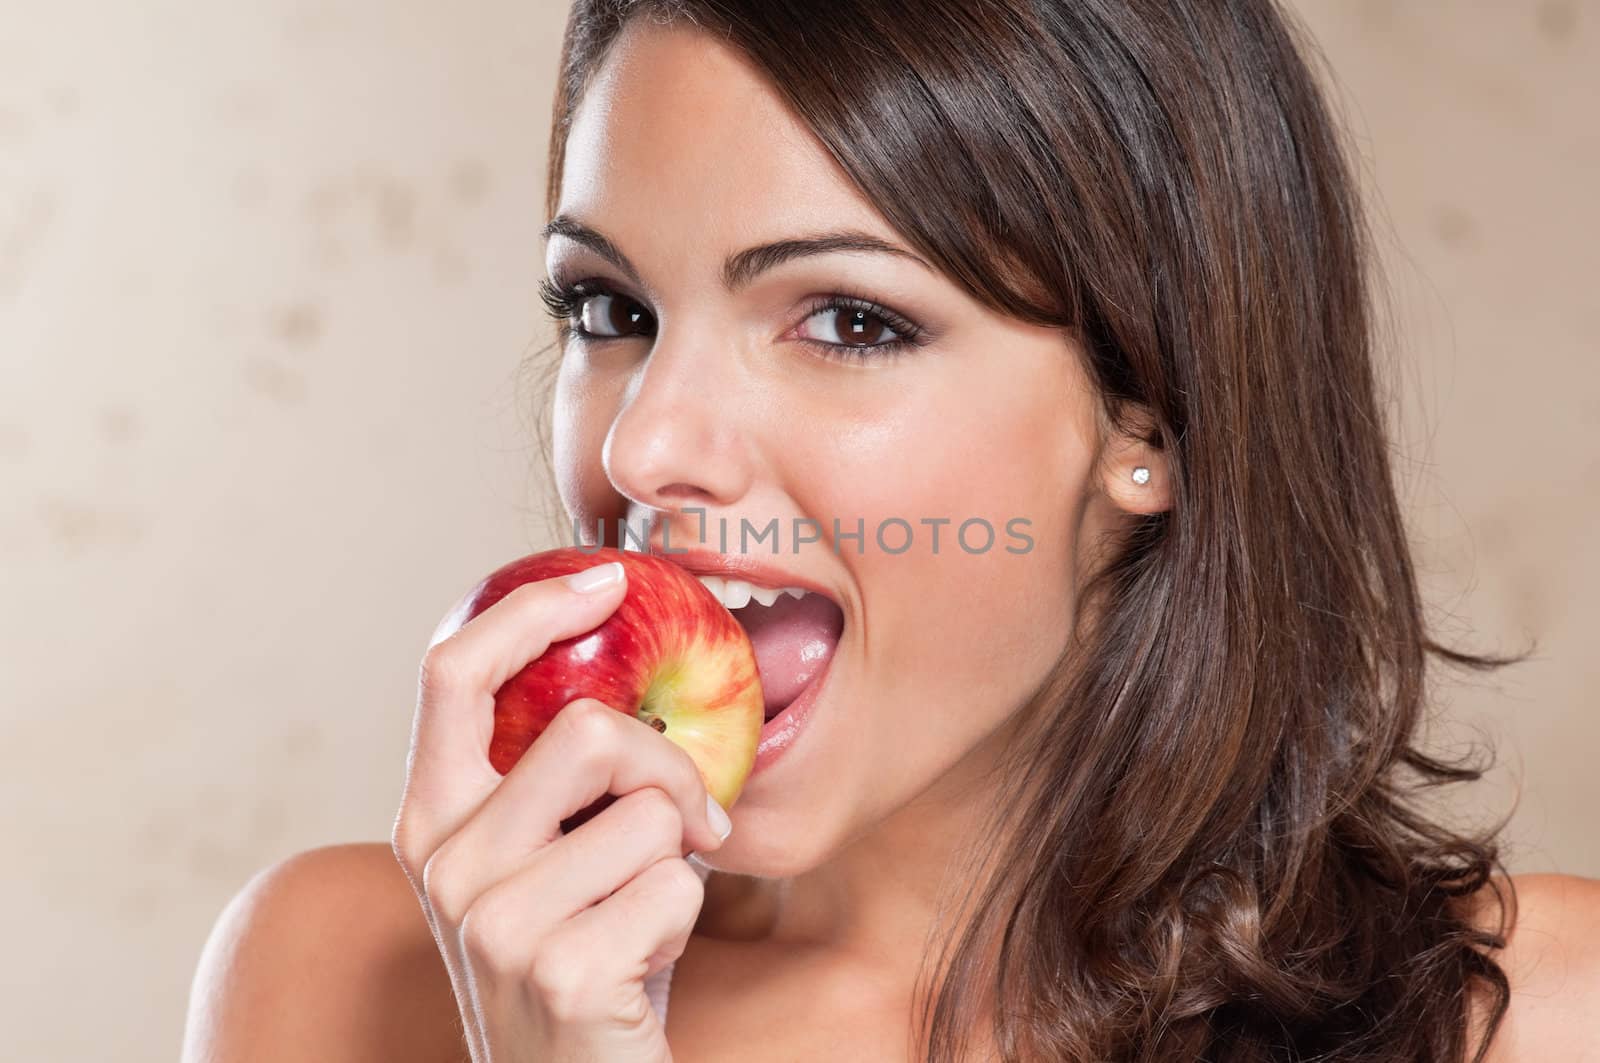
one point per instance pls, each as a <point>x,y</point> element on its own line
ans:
<point>679,137</point>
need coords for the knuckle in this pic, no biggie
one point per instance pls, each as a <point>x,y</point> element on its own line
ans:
<point>476,932</point>
<point>657,814</point>
<point>680,767</point>
<point>404,843</point>
<point>444,669</point>
<point>692,784</point>
<point>670,885</point>
<point>680,884</point>
<point>443,887</point>
<point>689,771</point>
<point>590,727</point>
<point>534,591</point>
<point>484,938</point>
<point>556,976</point>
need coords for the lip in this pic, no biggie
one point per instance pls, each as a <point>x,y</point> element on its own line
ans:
<point>780,732</point>
<point>741,566</point>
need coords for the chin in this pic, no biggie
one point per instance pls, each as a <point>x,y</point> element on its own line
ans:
<point>766,845</point>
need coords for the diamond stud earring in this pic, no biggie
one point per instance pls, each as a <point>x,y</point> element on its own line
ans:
<point>1141,475</point>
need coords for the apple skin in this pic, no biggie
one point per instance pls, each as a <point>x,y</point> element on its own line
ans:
<point>671,655</point>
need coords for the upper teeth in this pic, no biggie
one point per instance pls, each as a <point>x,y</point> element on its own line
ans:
<point>736,593</point>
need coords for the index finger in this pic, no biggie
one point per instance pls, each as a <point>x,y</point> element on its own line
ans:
<point>448,773</point>
<point>589,752</point>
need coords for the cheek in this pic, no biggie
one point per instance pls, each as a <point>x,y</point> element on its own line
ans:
<point>960,631</point>
<point>584,407</point>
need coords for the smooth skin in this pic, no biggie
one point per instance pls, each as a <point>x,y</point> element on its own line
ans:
<point>494,935</point>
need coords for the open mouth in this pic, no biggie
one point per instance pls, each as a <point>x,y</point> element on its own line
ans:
<point>794,632</point>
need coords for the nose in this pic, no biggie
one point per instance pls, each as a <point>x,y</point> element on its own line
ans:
<point>677,440</point>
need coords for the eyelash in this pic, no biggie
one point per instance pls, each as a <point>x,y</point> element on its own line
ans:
<point>564,302</point>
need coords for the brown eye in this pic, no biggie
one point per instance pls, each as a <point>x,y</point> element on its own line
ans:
<point>606,315</point>
<point>850,326</point>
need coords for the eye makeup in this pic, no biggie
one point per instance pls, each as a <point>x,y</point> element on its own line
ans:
<point>567,303</point>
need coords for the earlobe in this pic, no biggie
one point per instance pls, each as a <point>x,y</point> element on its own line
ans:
<point>1135,477</point>
<point>1134,472</point>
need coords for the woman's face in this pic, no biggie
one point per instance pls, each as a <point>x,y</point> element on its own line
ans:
<point>732,402</point>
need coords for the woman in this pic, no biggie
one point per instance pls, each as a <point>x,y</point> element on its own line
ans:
<point>1137,780</point>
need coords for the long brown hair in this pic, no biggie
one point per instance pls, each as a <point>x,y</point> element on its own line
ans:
<point>1215,846</point>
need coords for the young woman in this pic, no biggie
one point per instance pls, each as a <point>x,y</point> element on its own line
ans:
<point>1131,777</point>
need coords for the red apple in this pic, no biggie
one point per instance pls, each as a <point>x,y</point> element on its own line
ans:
<point>670,654</point>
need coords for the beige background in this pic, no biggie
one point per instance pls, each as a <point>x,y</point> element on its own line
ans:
<point>266,277</point>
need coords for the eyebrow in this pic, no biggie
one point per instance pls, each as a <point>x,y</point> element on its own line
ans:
<point>742,267</point>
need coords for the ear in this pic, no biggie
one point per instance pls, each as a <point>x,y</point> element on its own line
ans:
<point>1129,445</point>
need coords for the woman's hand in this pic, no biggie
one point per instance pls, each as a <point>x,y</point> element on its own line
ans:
<point>549,937</point>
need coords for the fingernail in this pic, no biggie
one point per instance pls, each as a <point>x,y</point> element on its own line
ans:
<point>720,823</point>
<point>597,578</point>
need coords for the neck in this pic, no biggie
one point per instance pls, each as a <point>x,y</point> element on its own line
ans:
<point>878,899</point>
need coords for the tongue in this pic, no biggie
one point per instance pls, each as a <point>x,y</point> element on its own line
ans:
<point>793,639</point>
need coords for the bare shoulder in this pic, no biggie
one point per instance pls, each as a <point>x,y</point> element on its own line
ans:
<point>327,956</point>
<point>1552,961</point>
